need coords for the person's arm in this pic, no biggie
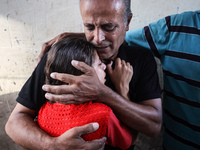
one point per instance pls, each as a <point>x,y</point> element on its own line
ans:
<point>154,37</point>
<point>145,117</point>
<point>121,76</point>
<point>46,46</point>
<point>22,128</point>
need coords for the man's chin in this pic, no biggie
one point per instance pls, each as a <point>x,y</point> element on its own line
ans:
<point>103,56</point>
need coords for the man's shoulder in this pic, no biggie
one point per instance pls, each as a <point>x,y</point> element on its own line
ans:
<point>139,51</point>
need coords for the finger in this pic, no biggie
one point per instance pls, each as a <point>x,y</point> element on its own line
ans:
<point>131,67</point>
<point>82,66</point>
<point>118,62</point>
<point>77,132</point>
<point>58,38</point>
<point>46,46</point>
<point>109,68</point>
<point>97,144</point>
<point>52,41</point>
<point>58,89</point>
<point>128,65</point>
<point>85,129</point>
<point>62,99</point>
<point>67,78</point>
<point>123,63</point>
<point>62,36</point>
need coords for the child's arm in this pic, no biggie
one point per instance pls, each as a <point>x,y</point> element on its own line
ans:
<point>121,76</point>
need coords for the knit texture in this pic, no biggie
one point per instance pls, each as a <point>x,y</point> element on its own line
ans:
<point>56,118</point>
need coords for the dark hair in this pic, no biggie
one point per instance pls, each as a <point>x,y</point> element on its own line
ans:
<point>63,52</point>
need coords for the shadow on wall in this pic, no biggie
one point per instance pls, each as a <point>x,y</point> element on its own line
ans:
<point>7,104</point>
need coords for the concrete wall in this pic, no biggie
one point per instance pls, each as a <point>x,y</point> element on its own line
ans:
<point>26,24</point>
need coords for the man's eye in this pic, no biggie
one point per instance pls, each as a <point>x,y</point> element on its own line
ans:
<point>90,27</point>
<point>109,28</point>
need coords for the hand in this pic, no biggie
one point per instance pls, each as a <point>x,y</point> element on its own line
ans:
<point>72,140</point>
<point>80,89</point>
<point>46,46</point>
<point>121,76</point>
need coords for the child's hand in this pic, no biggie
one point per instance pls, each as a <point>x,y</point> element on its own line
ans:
<point>121,76</point>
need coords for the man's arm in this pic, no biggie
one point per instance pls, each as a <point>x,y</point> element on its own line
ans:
<point>145,117</point>
<point>22,128</point>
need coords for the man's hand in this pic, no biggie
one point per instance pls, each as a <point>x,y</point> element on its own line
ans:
<point>81,88</point>
<point>46,46</point>
<point>71,139</point>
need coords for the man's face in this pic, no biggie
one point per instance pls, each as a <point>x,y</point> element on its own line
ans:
<point>104,26</point>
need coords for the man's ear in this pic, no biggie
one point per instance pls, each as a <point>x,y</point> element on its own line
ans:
<point>128,21</point>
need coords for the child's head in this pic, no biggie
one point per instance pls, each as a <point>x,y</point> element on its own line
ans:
<point>71,48</point>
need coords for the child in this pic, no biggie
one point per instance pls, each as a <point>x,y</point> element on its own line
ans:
<point>55,118</point>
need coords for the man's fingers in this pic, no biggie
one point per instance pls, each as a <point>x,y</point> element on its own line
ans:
<point>85,129</point>
<point>81,66</point>
<point>67,78</point>
<point>63,99</point>
<point>82,130</point>
<point>77,132</point>
<point>97,144</point>
<point>58,89</point>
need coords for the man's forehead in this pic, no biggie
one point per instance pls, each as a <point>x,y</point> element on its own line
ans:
<point>101,20</point>
<point>109,4</point>
<point>109,9</point>
<point>101,0</point>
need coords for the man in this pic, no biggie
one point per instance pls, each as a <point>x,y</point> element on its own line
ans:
<point>105,25</point>
<point>175,40</point>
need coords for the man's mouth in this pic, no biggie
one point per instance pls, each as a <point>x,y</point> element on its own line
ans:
<point>101,47</point>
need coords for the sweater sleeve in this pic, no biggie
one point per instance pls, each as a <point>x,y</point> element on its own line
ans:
<point>118,135</point>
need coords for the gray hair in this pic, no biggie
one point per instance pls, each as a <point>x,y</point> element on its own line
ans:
<point>127,10</point>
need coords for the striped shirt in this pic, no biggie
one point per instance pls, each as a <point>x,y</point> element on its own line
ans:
<point>175,40</point>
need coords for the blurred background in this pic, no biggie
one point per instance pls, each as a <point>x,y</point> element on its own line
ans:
<point>26,24</point>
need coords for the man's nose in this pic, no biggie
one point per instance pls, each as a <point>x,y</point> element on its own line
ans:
<point>99,36</point>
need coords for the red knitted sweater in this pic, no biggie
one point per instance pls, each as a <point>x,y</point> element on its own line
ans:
<point>56,118</point>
